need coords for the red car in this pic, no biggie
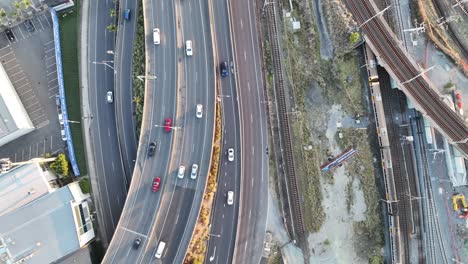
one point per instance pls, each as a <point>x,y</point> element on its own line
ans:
<point>156,183</point>
<point>168,125</point>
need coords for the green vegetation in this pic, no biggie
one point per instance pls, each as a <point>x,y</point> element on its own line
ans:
<point>139,69</point>
<point>112,13</point>
<point>376,260</point>
<point>85,185</point>
<point>60,165</point>
<point>354,37</point>
<point>450,86</point>
<point>69,47</point>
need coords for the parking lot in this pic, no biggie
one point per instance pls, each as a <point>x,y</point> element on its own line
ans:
<point>29,60</point>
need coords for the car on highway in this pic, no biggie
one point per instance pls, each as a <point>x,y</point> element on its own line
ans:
<point>136,243</point>
<point>156,184</point>
<point>193,174</point>
<point>168,124</point>
<point>231,154</point>
<point>181,172</point>
<point>188,48</point>
<point>160,249</point>
<point>110,97</point>
<point>199,112</point>
<point>152,148</point>
<point>127,14</point>
<point>230,197</point>
<point>156,36</point>
<point>64,135</point>
<point>223,67</point>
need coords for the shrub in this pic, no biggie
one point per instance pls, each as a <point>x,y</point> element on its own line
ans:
<point>60,165</point>
<point>354,37</point>
<point>85,186</point>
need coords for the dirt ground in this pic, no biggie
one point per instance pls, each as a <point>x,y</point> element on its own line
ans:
<point>340,208</point>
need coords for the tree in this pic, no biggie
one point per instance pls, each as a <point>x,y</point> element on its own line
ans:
<point>84,185</point>
<point>60,165</point>
<point>17,4</point>
<point>354,37</point>
<point>26,4</point>
<point>2,13</point>
<point>136,99</point>
<point>112,13</point>
<point>112,27</point>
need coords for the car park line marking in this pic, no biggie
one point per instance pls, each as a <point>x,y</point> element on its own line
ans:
<point>52,49</point>
<point>21,32</point>
<point>7,54</point>
<point>15,157</point>
<point>22,154</point>
<point>55,79</point>
<point>29,156</point>
<point>51,143</point>
<point>38,19</point>
<point>12,67</point>
<point>32,97</point>
<point>53,64</point>
<point>37,150</point>
<point>5,48</point>
<point>50,42</point>
<point>24,77</point>
<point>9,42</point>
<point>18,72</point>
<point>27,91</point>
<point>34,111</point>
<point>43,153</point>
<point>29,106</point>
<point>54,95</point>
<point>10,60</point>
<point>54,87</point>
<point>47,19</point>
<point>43,124</point>
<point>52,72</point>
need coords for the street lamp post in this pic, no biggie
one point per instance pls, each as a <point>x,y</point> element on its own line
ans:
<point>106,63</point>
<point>174,128</point>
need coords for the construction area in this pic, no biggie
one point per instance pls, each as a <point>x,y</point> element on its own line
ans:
<point>368,178</point>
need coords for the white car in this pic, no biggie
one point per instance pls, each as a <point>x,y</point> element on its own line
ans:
<point>193,174</point>
<point>181,172</point>
<point>64,135</point>
<point>110,97</point>
<point>60,117</point>
<point>231,154</point>
<point>199,111</point>
<point>188,48</point>
<point>156,36</point>
<point>230,197</point>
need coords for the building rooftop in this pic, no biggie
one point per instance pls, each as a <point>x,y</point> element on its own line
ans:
<point>21,186</point>
<point>11,126</point>
<point>44,230</point>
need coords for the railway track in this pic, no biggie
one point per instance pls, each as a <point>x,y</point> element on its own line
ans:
<point>400,183</point>
<point>419,90</point>
<point>285,130</point>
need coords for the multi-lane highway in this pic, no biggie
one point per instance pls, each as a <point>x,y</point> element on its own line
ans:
<point>106,166</point>
<point>224,223</point>
<point>142,203</point>
<point>253,206</point>
<point>400,65</point>
<point>123,58</point>
<point>182,199</point>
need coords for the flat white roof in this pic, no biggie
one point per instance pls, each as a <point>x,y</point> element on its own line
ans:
<point>14,120</point>
<point>21,186</point>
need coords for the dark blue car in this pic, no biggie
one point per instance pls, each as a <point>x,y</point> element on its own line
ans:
<point>224,69</point>
<point>127,14</point>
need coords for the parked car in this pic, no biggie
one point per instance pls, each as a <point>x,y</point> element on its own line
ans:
<point>9,34</point>
<point>29,25</point>
<point>64,135</point>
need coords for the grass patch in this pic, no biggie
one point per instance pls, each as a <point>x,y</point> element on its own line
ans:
<point>139,69</point>
<point>85,185</point>
<point>69,46</point>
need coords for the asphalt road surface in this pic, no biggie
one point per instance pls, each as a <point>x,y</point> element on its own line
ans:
<point>124,87</point>
<point>109,176</point>
<point>253,206</point>
<point>224,223</point>
<point>142,203</point>
<point>181,202</point>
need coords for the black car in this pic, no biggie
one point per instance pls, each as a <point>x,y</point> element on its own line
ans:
<point>29,25</point>
<point>152,148</point>
<point>9,34</point>
<point>136,243</point>
<point>224,69</point>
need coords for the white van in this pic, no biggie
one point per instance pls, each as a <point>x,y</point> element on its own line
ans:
<point>156,36</point>
<point>160,249</point>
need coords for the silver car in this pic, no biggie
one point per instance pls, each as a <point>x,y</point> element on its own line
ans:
<point>110,97</point>
<point>181,172</point>
<point>193,174</point>
<point>199,112</point>
<point>230,197</point>
<point>231,154</point>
